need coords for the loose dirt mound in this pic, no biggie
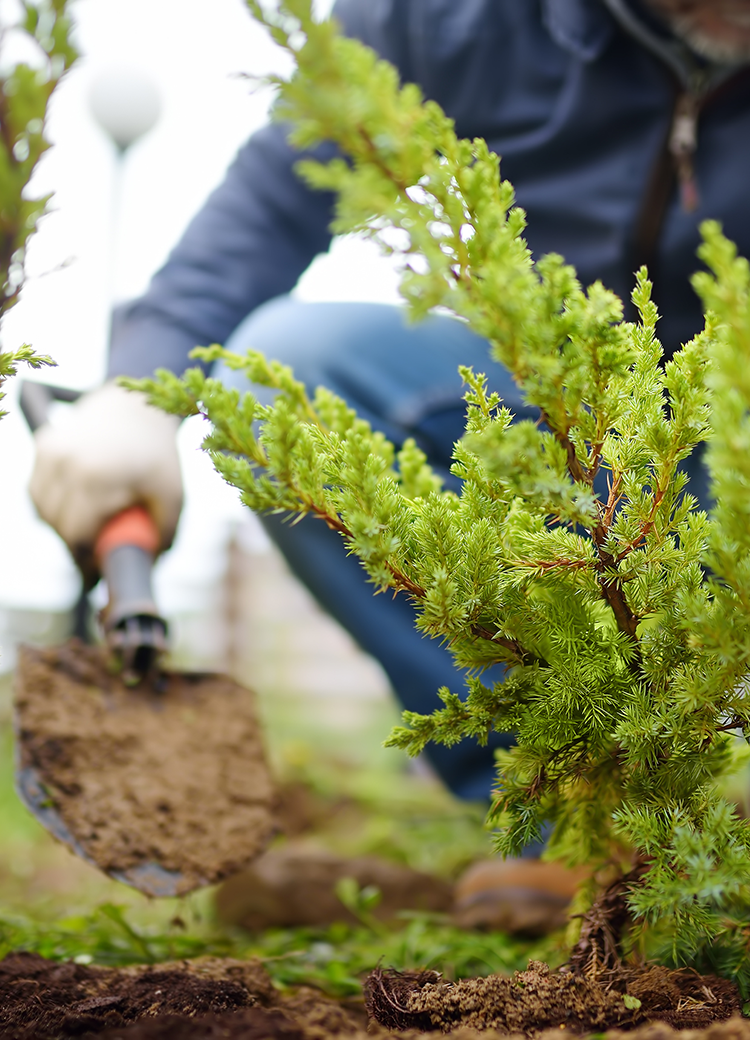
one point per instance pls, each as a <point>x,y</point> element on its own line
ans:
<point>205,998</point>
<point>42,1000</point>
<point>174,776</point>
<point>250,1024</point>
<point>295,885</point>
<point>210,998</point>
<point>538,999</point>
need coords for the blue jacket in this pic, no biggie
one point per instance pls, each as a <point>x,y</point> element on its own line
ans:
<point>581,99</point>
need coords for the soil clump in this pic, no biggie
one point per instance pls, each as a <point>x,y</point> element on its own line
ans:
<point>538,999</point>
<point>171,773</point>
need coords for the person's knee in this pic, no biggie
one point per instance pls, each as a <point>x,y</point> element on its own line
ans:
<point>276,329</point>
<point>314,339</point>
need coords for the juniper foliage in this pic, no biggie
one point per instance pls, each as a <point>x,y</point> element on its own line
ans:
<point>623,616</point>
<point>25,90</point>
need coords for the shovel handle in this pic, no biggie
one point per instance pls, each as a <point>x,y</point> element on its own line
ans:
<point>134,526</point>
<point>125,551</point>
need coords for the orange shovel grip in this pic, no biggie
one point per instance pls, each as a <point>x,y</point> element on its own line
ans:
<point>133,526</point>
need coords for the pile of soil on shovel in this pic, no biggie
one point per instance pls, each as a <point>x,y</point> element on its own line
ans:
<point>210,998</point>
<point>171,772</point>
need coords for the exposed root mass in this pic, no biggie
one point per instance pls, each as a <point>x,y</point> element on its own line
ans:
<point>537,999</point>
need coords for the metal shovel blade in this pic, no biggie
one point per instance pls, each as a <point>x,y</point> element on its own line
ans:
<point>165,788</point>
<point>149,878</point>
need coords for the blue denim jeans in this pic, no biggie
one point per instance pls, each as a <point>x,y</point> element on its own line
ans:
<point>404,380</point>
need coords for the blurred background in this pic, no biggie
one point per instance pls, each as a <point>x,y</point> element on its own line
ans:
<point>229,600</point>
<point>179,67</point>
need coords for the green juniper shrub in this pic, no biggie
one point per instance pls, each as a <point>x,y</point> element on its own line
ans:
<point>25,90</point>
<point>623,619</point>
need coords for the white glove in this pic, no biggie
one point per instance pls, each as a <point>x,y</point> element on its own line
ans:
<point>113,451</point>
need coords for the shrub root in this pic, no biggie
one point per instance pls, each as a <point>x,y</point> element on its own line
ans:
<point>597,952</point>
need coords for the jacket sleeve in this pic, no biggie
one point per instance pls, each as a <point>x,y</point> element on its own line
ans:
<point>251,241</point>
<point>253,238</point>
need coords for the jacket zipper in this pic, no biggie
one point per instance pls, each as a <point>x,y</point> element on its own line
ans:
<point>676,160</point>
<point>682,143</point>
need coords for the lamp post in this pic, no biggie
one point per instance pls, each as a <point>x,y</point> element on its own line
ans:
<point>125,104</point>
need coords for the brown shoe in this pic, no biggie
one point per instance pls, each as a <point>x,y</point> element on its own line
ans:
<point>295,885</point>
<point>525,896</point>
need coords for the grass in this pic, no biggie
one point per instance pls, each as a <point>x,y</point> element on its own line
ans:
<point>53,904</point>
<point>333,959</point>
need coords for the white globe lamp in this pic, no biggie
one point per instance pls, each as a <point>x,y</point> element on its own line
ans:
<point>126,105</point>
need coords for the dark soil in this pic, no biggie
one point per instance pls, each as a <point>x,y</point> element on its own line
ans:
<point>170,773</point>
<point>44,1000</point>
<point>209,998</point>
